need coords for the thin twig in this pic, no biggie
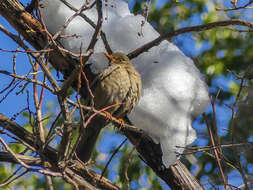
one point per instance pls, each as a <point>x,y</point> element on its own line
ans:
<point>215,151</point>
<point>39,129</point>
<point>13,154</point>
<point>233,107</point>
<point>127,166</point>
<point>7,182</point>
<point>184,30</point>
<point>27,79</point>
<point>236,8</point>
<point>88,20</point>
<point>109,161</point>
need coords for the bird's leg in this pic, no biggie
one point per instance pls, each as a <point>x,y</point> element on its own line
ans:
<point>121,123</point>
<point>108,116</point>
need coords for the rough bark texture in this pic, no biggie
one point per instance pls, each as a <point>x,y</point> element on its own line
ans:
<point>177,176</point>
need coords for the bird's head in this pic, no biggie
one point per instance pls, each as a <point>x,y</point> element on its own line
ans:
<point>118,58</point>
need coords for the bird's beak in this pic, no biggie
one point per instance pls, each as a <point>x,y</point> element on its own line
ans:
<point>109,57</point>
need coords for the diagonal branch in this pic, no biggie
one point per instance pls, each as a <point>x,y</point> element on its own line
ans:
<point>82,176</point>
<point>204,27</point>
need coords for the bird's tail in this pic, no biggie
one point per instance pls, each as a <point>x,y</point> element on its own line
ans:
<point>89,138</point>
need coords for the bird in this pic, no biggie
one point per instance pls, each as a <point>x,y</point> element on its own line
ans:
<point>117,90</point>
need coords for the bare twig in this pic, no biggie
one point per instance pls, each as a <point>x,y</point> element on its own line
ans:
<point>36,56</point>
<point>233,107</point>
<point>29,51</point>
<point>39,129</point>
<point>204,27</point>
<point>246,6</point>
<point>25,77</point>
<point>51,155</point>
<point>215,151</point>
<point>13,154</point>
<point>127,166</point>
<point>193,150</point>
<point>10,179</point>
<point>88,20</point>
<point>109,161</point>
<point>49,135</point>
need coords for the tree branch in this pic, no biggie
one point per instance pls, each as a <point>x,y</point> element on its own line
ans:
<point>82,176</point>
<point>204,27</point>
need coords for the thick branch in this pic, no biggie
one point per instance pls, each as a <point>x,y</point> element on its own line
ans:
<point>78,173</point>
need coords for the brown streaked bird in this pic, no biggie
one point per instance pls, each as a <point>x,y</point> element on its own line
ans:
<point>118,87</point>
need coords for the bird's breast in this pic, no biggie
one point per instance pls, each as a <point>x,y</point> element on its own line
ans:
<point>119,89</point>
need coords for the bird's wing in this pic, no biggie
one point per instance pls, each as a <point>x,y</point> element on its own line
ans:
<point>104,74</point>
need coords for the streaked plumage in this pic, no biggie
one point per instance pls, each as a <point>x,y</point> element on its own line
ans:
<point>118,87</point>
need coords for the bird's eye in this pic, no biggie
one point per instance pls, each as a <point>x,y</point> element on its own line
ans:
<point>120,59</point>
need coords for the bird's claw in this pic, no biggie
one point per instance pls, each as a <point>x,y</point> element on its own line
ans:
<point>108,116</point>
<point>121,124</point>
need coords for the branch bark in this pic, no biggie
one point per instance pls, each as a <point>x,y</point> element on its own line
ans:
<point>82,176</point>
<point>203,27</point>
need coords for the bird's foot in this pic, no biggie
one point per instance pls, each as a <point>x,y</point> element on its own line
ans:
<point>121,124</point>
<point>108,116</point>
